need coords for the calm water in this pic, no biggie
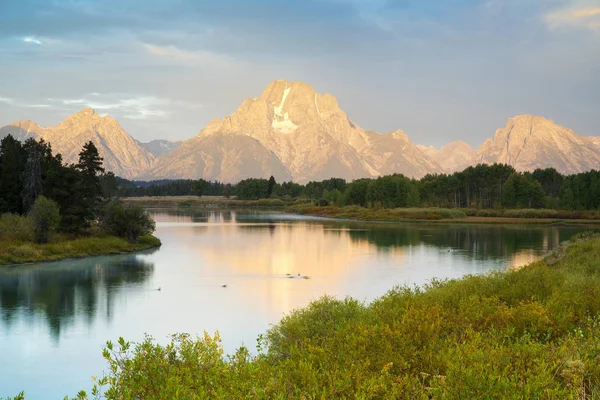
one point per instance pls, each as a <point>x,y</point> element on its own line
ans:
<point>56,317</point>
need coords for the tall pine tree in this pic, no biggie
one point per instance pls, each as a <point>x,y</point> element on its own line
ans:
<point>32,174</point>
<point>12,162</point>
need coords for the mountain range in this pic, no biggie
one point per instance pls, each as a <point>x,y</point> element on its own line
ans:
<point>294,133</point>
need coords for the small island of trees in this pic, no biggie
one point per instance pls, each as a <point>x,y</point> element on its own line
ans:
<point>49,210</point>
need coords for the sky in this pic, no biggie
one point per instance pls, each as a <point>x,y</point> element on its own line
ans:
<point>439,70</point>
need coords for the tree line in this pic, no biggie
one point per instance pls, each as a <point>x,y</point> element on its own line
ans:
<point>496,186</point>
<point>36,183</point>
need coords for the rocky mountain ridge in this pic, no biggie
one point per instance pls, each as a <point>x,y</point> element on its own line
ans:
<point>122,154</point>
<point>294,133</point>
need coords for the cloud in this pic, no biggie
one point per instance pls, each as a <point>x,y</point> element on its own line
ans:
<point>32,40</point>
<point>193,57</point>
<point>579,17</point>
<point>142,107</point>
<point>6,100</point>
<point>130,107</point>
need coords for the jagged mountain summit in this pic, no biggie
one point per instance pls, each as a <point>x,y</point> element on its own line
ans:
<point>122,154</point>
<point>294,133</point>
<point>305,135</point>
<point>529,142</point>
<point>453,157</point>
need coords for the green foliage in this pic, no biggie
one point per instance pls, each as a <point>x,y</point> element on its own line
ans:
<point>128,222</point>
<point>18,252</point>
<point>89,184</point>
<point>271,186</point>
<point>32,175</point>
<point>12,163</point>
<point>252,189</point>
<point>356,192</point>
<point>377,214</point>
<point>15,227</point>
<point>109,186</point>
<point>530,333</point>
<point>334,197</point>
<point>45,217</point>
<point>522,191</point>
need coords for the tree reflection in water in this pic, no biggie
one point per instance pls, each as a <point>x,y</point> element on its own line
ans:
<point>63,291</point>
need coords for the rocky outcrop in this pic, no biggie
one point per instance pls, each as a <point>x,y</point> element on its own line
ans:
<point>529,142</point>
<point>121,153</point>
<point>310,136</point>
<point>294,133</point>
<point>453,157</point>
<point>221,157</point>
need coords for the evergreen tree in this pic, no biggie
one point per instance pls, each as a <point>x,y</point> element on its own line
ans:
<point>108,184</point>
<point>272,184</point>
<point>12,162</point>
<point>90,168</point>
<point>32,175</point>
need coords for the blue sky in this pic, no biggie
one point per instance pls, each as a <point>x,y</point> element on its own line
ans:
<point>439,70</point>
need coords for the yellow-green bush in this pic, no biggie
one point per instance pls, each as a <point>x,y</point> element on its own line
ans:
<point>532,333</point>
<point>15,227</point>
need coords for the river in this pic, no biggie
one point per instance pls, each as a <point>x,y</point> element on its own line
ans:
<point>56,317</point>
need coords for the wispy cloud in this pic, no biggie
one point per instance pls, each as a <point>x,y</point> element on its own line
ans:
<point>32,40</point>
<point>6,100</point>
<point>131,107</point>
<point>574,17</point>
<point>142,107</point>
<point>195,57</point>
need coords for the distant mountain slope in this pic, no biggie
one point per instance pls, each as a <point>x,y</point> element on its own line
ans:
<point>22,130</point>
<point>225,158</point>
<point>294,133</point>
<point>529,142</point>
<point>453,157</point>
<point>308,133</point>
<point>122,154</point>
<point>160,147</point>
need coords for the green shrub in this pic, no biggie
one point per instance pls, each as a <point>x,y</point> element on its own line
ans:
<point>128,222</point>
<point>531,333</point>
<point>15,227</point>
<point>45,217</point>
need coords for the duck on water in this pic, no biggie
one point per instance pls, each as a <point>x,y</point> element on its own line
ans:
<point>297,276</point>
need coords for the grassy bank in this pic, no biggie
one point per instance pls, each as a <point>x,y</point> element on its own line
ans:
<point>19,252</point>
<point>531,333</point>
<point>377,214</point>
<point>203,202</point>
<point>467,216</point>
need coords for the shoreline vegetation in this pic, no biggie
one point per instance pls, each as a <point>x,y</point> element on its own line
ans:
<point>14,253</point>
<point>307,207</point>
<point>51,211</point>
<point>527,333</point>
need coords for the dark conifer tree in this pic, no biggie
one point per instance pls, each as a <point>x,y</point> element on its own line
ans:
<point>32,174</point>
<point>12,162</point>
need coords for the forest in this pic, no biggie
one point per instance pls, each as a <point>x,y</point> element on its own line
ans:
<point>483,186</point>
<point>50,210</point>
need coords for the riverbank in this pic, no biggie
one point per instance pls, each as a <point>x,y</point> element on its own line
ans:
<point>531,333</point>
<point>212,202</point>
<point>306,207</point>
<point>455,216</point>
<point>22,252</point>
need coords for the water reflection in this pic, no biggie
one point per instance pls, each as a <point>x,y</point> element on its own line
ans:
<point>60,314</point>
<point>62,291</point>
